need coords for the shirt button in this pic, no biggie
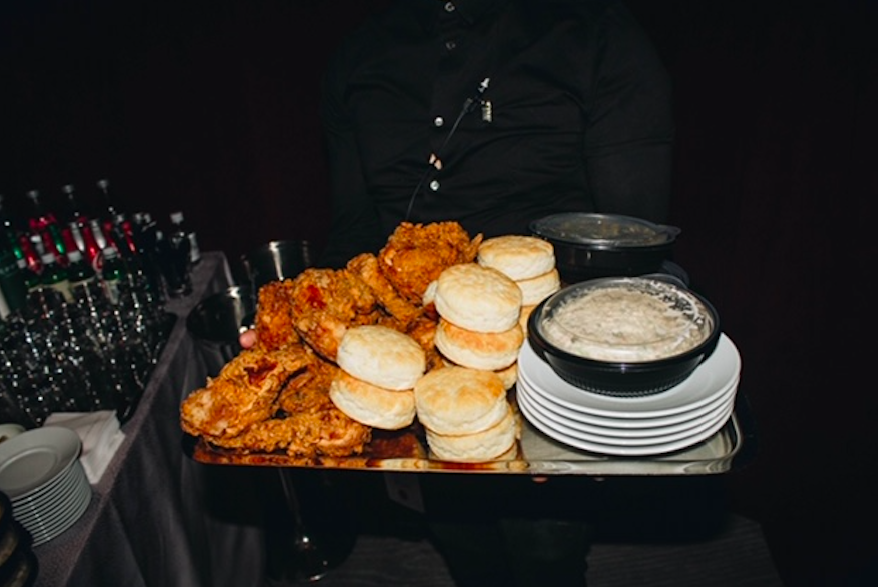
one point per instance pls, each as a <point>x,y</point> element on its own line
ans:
<point>434,185</point>
<point>450,45</point>
<point>449,7</point>
<point>438,121</point>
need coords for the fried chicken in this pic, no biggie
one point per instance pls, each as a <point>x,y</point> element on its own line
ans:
<point>274,316</point>
<point>325,303</point>
<point>415,255</point>
<point>365,266</point>
<point>262,402</point>
<point>311,434</point>
<point>242,394</point>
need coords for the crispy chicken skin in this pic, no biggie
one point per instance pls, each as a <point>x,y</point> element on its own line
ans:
<point>306,423</point>
<point>242,394</point>
<point>274,320</point>
<point>325,303</point>
<point>308,434</point>
<point>366,267</point>
<point>415,255</point>
<point>262,402</point>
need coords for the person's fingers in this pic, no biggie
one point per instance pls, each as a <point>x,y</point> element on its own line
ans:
<point>247,338</point>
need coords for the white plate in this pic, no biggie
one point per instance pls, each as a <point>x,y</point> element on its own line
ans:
<point>588,426</point>
<point>45,524</point>
<point>47,500</point>
<point>708,381</point>
<point>33,459</point>
<point>627,426</point>
<point>64,523</point>
<point>575,431</point>
<point>615,450</point>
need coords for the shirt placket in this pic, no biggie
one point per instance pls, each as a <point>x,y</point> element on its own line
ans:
<point>445,98</point>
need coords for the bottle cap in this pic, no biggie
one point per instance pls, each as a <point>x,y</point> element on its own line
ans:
<point>103,183</point>
<point>67,188</point>
<point>47,258</point>
<point>110,253</point>
<point>74,256</point>
<point>176,217</point>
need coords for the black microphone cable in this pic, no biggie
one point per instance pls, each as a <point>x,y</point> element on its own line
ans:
<point>468,106</point>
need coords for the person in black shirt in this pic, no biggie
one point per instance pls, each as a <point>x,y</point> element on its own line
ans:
<point>493,113</point>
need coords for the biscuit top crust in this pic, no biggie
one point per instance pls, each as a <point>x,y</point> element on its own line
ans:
<point>477,298</point>
<point>518,257</point>
<point>382,356</point>
<point>459,400</point>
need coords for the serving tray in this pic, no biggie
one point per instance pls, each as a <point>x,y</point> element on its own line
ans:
<point>404,451</point>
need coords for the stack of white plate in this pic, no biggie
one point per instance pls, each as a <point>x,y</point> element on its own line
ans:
<point>41,474</point>
<point>672,420</point>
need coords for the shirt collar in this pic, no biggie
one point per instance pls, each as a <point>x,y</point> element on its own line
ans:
<point>470,10</point>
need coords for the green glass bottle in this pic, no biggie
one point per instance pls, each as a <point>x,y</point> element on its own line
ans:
<point>113,274</point>
<point>55,276</point>
<point>79,270</point>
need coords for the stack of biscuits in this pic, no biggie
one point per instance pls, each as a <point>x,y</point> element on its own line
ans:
<point>379,367</point>
<point>466,415</point>
<point>527,260</point>
<point>479,327</point>
<point>463,406</point>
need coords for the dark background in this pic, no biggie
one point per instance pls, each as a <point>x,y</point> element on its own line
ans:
<point>211,108</point>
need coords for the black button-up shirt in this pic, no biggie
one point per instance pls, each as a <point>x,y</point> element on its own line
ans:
<point>530,106</point>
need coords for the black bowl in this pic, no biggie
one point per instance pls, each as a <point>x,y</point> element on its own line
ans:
<point>622,378</point>
<point>589,246</point>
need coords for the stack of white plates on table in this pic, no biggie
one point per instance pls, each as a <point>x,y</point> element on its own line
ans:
<point>41,474</point>
<point>672,420</point>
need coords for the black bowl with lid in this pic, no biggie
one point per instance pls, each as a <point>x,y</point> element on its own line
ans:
<point>609,335</point>
<point>590,245</point>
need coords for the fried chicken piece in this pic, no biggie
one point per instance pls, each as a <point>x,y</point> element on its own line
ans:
<point>309,390</point>
<point>365,266</point>
<point>274,316</point>
<point>326,432</point>
<point>242,394</point>
<point>415,255</point>
<point>307,423</point>
<point>325,303</point>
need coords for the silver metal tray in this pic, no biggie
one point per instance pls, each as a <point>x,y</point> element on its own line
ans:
<point>537,455</point>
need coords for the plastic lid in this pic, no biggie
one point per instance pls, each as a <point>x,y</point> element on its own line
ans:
<point>615,229</point>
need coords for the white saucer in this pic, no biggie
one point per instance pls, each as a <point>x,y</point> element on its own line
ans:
<point>549,401</point>
<point>35,458</point>
<point>710,380</point>
<point>617,450</point>
<point>607,427</point>
<point>575,431</point>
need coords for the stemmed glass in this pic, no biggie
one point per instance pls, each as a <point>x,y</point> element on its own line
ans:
<point>320,532</point>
